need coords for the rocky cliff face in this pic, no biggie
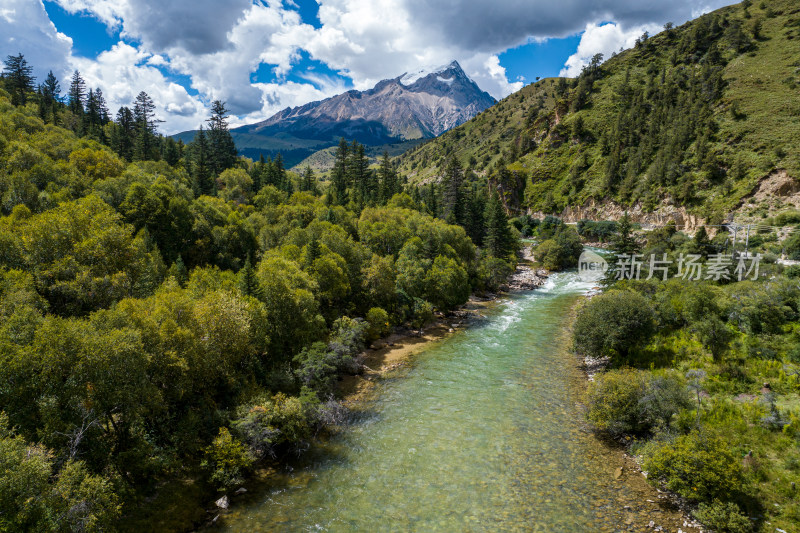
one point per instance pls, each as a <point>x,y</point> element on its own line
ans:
<point>609,210</point>
<point>413,106</point>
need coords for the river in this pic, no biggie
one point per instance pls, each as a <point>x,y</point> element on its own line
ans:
<point>484,431</point>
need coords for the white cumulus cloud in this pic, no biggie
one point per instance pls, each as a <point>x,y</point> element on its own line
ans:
<point>602,39</point>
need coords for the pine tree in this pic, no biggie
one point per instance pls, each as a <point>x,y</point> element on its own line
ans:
<point>359,175</point>
<point>309,181</point>
<point>102,107</point>
<point>257,174</point>
<point>338,189</point>
<point>122,134</point>
<point>171,152</point>
<point>144,118</point>
<point>499,240</point>
<point>77,94</point>
<point>476,212</point>
<point>95,112</point>
<point>179,272</point>
<point>279,173</point>
<point>387,177</point>
<point>624,242</point>
<point>222,154</point>
<point>202,173</point>
<point>313,252</point>
<point>452,194</point>
<point>18,76</point>
<point>49,98</point>
<point>248,282</point>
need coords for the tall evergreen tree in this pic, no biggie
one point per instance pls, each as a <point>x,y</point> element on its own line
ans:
<point>338,189</point>
<point>359,175</point>
<point>145,123</point>
<point>387,178</point>
<point>257,173</point>
<point>178,271</point>
<point>499,240</point>
<point>309,181</point>
<point>202,173</point>
<point>123,133</point>
<point>171,153</point>
<point>102,107</point>
<point>476,212</point>
<point>18,76</point>
<point>222,150</point>
<point>279,173</point>
<point>624,242</point>
<point>247,280</point>
<point>96,115</point>
<point>49,98</point>
<point>77,94</point>
<point>453,209</point>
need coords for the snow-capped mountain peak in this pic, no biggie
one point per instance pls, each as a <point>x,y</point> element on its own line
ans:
<point>409,78</point>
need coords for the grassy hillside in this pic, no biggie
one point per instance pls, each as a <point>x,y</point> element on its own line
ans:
<point>693,116</point>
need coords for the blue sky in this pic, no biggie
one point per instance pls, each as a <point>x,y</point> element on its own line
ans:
<point>261,56</point>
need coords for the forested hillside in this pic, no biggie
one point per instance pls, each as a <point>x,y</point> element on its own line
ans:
<point>174,312</point>
<point>694,116</point>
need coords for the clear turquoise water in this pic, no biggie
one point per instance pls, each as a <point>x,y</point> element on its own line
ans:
<point>483,432</point>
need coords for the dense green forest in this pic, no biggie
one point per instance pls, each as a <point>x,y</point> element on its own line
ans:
<point>174,312</point>
<point>693,116</point>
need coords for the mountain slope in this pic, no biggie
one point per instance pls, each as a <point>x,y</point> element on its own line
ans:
<point>414,106</point>
<point>408,107</point>
<point>695,116</point>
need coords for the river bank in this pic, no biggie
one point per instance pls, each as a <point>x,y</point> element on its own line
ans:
<point>591,367</point>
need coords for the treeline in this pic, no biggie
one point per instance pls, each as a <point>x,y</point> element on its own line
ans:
<point>179,315</point>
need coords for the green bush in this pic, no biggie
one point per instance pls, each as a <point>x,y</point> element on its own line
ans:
<point>379,325</point>
<point>494,272</point>
<point>562,251</point>
<point>227,460</point>
<point>422,313</point>
<point>724,517</point>
<point>699,467</point>
<point>613,323</point>
<point>634,402</point>
<point>282,420</point>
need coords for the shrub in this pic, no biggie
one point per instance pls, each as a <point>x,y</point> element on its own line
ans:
<point>562,251</point>
<point>724,517</point>
<point>281,420</point>
<point>633,402</point>
<point>379,325</point>
<point>698,467</point>
<point>227,460</point>
<point>494,272</point>
<point>316,367</point>
<point>613,323</point>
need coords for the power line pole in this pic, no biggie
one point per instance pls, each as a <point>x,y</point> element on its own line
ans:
<point>747,241</point>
